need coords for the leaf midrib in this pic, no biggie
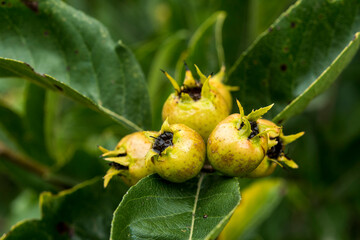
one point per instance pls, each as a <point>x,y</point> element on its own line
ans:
<point>195,205</point>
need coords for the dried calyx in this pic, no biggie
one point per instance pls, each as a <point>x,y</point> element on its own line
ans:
<point>275,151</point>
<point>254,129</point>
<point>163,141</point>
<point>248,126</point>
<point>193,92</point>
<point>191,87</point>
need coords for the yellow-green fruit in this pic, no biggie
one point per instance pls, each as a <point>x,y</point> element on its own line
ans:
<point>266,168</point>
<point>223,91</point>
<point>198,105</point>
<point>128,158</point>
<point>231,151</point>
<point>177,153</point>
<point>201,115</point>
<point>265,125</point>
<point>236,147</point>
<point>275,154</point>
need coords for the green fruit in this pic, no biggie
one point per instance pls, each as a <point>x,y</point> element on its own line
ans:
<point>275,154</point>
<point>236,147</point>
<point>198,105</point>
<point>128,158</point>
<point>177,153</point>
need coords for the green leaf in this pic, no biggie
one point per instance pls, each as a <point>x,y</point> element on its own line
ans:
<point>159,86</point>
<point>29,229</point>
<point>158,209</point>
<point>25,206</point>
<point>74,167</point>
<point>34,114</point>
<point>58,47</point>
<point>12,123</point>
<point>34,138</point>
<point>288,57</point>
<point>83,212</point>
<point>204,45</point>
<point>72,126</point>
<point>27,131</point>
<point>258,201</point>
<point>322,82</point>
<point>24,178</point>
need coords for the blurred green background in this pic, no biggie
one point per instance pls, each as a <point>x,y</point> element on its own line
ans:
<point>323,196</point>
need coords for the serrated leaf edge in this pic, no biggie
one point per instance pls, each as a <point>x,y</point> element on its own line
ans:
<point>221,224</point>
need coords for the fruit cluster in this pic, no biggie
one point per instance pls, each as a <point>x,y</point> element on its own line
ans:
<point>196,113</point>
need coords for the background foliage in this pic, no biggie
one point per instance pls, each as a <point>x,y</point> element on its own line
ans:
<point>46,130</point>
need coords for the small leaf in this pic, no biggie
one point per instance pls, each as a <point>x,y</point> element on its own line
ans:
<point>158,209</point>
<point>34,121</point>
<point>12,123</point>
<point>203,44</point>
<point>258,201</point>
<point>256,114</point>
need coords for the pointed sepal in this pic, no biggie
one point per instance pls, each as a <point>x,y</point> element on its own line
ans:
<point>173,81</point>
<point>290,138</point>
<point>266,133</point>
<point>103,150</point>
<point>206,90</point>
<point>165,127</point>
<point>151,136</point>
<point>109,174</point>
<point>220,76</point>
<point>275,161</point>
<point>114,153</point>
<point>189,80</point>
<point>185,97</point>
<point>241,109</point>
<point>288,162</point>
<point>150,158</point>
<point>245,130</point>
<point>256,114</point>
<point>272,143</point>
<point>201,75</point>
<point>124,161</point>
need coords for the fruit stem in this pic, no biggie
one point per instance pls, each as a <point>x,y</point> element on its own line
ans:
<point>38,169</point>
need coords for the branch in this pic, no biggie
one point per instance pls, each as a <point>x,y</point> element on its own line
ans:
<point>36,168</point>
